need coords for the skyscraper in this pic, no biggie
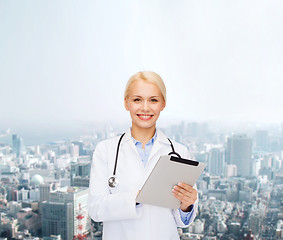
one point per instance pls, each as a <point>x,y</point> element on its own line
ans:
<point>78,198</point>
<point>17,144</point>
<point>57,219</point>
<point>239,152</point>
<point>81,169</point>
<point>216,161</point>
<point>45,190</point>
<point>262,140</point>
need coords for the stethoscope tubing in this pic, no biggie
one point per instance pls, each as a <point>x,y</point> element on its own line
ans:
<point>113,181</point>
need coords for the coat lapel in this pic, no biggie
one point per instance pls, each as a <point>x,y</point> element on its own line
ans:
<point>127,139</point>
<point>159,144</point>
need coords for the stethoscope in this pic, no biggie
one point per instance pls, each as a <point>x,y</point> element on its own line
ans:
<point>113,180</point>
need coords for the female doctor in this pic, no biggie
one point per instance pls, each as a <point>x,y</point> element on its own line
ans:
<point>112,200</point>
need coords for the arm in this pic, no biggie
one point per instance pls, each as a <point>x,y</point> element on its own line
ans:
<point>102,205</point>
<point>188,197</point>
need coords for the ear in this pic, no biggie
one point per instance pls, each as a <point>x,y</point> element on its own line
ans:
<point>126,104</point>
<point>163,105</point>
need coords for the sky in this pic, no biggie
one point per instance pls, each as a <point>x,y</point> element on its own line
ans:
<point>67,62</point>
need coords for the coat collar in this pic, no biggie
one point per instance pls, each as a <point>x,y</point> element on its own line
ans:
<point>161,137</point>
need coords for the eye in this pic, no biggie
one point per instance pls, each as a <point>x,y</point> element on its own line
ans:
<point>136,99</point>
<point>153,100</point>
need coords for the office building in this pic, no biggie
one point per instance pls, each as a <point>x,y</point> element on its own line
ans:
<point>74,150</point>
<point>57,219</point>
<point>45,189</point>
<point>255,223</point>
<point>17,145</point>
<point>81,169</point>
<point>80,145</point>
<point>239,152</point>
<point>78,198</point>
<point>81,181</point>
<point>216,161</point>
<point>256,165</point>
<point>262,140</point>
<point>230,170</point>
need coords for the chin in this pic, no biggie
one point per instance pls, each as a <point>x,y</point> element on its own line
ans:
<point>145,125</point>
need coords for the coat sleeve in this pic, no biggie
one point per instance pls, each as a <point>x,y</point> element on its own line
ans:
<point>176,213</point>
<point>177,216</point>
<point>103,205</point>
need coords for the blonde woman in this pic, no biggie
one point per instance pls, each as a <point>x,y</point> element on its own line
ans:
<point>112,199</point>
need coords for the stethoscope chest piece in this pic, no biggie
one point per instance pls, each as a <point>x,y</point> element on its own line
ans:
<point>113,181</point>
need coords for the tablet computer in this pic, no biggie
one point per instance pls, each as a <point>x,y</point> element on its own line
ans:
<point>168,171</point>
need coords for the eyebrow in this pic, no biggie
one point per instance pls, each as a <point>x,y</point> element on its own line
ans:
<point>141,96</point>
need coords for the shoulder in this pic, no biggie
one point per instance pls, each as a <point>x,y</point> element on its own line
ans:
<point>179,148</point>
<point>106,143</point>
<point>105,149</point>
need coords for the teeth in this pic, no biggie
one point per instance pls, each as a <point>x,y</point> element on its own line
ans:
<point>145,116</point>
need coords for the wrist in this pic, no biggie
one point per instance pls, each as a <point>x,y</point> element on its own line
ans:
<point>188,209</point>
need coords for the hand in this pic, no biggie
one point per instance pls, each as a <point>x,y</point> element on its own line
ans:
<point>186,194</point>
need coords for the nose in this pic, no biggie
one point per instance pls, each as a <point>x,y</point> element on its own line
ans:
<point>145,106</point>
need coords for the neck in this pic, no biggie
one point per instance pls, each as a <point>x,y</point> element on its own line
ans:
<point>143,135</point>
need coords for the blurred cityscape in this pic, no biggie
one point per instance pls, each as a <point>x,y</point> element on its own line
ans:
<point>43,192</point>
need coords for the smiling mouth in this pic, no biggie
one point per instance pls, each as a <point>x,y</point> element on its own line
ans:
<point>144,116</point>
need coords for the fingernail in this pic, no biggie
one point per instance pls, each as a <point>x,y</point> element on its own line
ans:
<point>180,184</point>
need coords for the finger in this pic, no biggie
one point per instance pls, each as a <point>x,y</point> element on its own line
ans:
<point>185,191</point>
<point>185,186</point>
<point>181,190</point>
<point>187,201</point>
<point>184,194</point>
<point>184,199</point>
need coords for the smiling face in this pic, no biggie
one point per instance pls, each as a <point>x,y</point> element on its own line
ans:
<point>144,102</point>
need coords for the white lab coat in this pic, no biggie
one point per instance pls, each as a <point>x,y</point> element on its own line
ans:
<point>116,207</point>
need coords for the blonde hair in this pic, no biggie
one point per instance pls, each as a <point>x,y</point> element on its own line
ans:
<point>149,77</point>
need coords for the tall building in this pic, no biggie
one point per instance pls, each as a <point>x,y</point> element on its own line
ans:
<point>256,164</point>
<point>45,189</point>
<point>216,161</point>
<point>77,197</point>
<point>239,152</point>
<point>82,170</point>
<point>255,223</point>
<point>57,219</point>
<point>17,145</point>
<point>80,144</point>
<point>74,150</point>
<point>262,140</point>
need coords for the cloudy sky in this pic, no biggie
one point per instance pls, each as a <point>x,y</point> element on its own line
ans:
<point>69,61</point>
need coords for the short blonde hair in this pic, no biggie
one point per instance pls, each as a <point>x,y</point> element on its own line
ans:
<point>149,77</point>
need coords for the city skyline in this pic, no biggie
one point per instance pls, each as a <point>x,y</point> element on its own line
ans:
<point>44,187</point>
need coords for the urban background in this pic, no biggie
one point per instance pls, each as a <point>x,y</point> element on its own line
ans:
<point>44,193</point>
